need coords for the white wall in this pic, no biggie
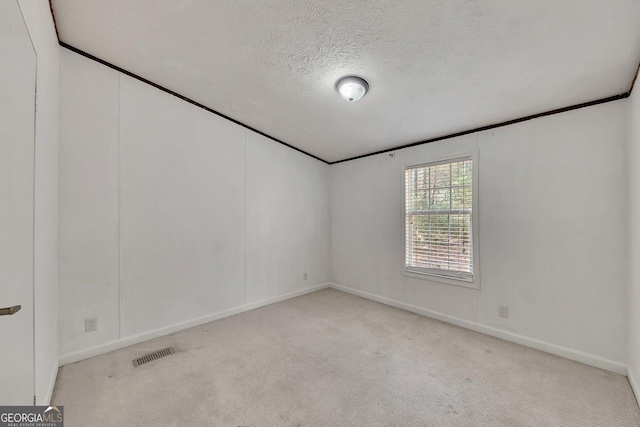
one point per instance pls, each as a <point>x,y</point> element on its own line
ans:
<point>288,206</point>
<point>183,210</point>
<point>552,233</point>
<point>633,156</point>
<point>40,24</point>
<point>88,188</point>
<point>171,216</point>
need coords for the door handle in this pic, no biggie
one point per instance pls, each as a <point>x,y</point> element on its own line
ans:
<point>8,311</point>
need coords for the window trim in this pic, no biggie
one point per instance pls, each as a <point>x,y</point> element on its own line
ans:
<point>430,275</point>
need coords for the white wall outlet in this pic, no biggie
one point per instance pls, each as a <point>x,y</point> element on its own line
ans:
<point>91,324</point>
<point>503,311</point>
<point>304,275</point>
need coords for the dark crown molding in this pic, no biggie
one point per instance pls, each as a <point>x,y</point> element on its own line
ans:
<point>413,144</point>
<point>497,125</point>
<point>182,97</point>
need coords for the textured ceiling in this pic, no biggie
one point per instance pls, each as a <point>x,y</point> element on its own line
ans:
<point>435,67</point>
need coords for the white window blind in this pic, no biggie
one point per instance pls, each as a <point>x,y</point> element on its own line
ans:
<point>439,219</point>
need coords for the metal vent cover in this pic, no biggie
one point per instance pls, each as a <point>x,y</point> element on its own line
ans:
<point>150,357</point>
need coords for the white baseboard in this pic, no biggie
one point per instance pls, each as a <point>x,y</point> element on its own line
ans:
<point>634,384</point>
<point>579,356</point>
<point>129,341</point>
<point>50,386</point>
<point>568,353</point>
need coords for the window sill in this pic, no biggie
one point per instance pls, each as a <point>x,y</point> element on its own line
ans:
<point>474,284</point>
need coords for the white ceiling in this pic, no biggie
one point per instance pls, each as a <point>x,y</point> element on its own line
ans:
<point>435,67</point>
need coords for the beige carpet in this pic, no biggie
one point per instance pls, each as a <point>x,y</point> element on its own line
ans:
<point>333,359</point>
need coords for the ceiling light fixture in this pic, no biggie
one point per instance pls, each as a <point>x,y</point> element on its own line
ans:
<point>352,88</point>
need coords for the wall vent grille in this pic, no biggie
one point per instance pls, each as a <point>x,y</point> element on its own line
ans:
<point>153,356</point>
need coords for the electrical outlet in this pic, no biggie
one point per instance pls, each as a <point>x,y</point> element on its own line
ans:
<point>503,311</point>
<point>90,324</point>
<point>304,275</point>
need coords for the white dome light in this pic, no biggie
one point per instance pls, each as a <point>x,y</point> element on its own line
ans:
<point>352,88</point>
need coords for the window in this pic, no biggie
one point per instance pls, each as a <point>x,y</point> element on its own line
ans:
<point>439,219</point>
